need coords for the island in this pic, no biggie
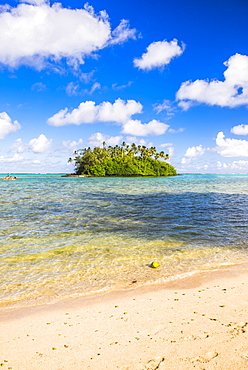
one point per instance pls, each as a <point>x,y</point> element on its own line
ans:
<point>125,160</point>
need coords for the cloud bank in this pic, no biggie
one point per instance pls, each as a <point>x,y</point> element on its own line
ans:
<point>88,112</point>
<point>34,32</point>
<point>232,92</point>
<point>158,55</point>
<point>120,112</point>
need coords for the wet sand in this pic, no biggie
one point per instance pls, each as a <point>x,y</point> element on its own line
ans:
<point>196,323</point>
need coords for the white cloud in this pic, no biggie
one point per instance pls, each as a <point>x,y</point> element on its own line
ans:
<point>88,112</point>
<point>135,127</point>
<point>170,146</point>
<point>133,139</point>
<point>240,165</point>
<point>34,33</point>
<point>159,54</point>
<point>173,131</point>
<point>15,158</point>
<point>192,153</point>
<point>98,138</point>
<point>231,147</point>
<point>40,144</point>
<point>19,146</point>
<point>71,145</point>
<point>39,86</point>
<point>240,130</point>
<point>7,126</point>
<point>195,151</point>
<point>72,89</point>
<point>122,33</point>
<point>116,87</point>
<point>94,87</point>
<point>187,160</point>
<point>165,145</point>
<point>167,106</point>
<point>232,92</point>
<point>171,151</point>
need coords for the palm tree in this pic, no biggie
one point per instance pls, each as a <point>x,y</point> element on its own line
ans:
<point>122,149</point>
<point>153,151</point>
<point>134,148</point>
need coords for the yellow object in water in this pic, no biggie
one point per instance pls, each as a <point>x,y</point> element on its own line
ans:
<point>155,265</point>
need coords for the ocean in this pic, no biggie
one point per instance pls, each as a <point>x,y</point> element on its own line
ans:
<point>70,237</point>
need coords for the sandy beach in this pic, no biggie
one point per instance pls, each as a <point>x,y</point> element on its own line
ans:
<point>197,323</point>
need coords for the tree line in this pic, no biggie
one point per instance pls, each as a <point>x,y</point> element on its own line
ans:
<point>121,160</point>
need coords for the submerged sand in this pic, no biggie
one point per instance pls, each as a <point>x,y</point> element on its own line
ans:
<point>196,323</point>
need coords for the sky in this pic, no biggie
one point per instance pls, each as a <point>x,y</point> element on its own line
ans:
<point>163,73</point>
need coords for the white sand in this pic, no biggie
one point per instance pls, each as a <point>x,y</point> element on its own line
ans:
<point>197,323</point>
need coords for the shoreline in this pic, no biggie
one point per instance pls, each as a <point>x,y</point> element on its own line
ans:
<point>116,176</point>
<point>178,281</point>
<point>199,322</point>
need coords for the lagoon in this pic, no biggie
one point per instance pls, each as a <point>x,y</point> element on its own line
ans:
<point>69,237</point>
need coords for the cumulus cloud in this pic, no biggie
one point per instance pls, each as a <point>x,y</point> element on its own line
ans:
<point>240,130</point>
<point>195,151</point>
<point>158,55</point>
<point>120,112</point>
<point>232,92</point>
<point>7,126</point>
<point>98,138</point>
<point>88,112</point>
<point>231,147</point>
<point>34,33</point>
<point>192,153</point>
<point>135,127</point>
<point>40,144</point>
<point>69,145</point>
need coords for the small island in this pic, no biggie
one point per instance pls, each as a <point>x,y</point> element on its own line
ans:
<point>124,160</point>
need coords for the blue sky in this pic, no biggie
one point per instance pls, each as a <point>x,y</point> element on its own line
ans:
<point>170,74</point>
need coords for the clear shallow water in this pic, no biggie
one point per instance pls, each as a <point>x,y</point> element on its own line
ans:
<point>64,237</point>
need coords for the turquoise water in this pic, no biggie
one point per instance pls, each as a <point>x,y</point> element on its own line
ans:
<point>67,237</point>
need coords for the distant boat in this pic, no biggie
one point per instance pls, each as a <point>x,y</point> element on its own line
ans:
<point>10,177</point>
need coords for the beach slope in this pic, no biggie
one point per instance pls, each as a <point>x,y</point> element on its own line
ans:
<point>197,323</point>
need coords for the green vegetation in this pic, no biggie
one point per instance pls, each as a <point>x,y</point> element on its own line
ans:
<point>124,160</point>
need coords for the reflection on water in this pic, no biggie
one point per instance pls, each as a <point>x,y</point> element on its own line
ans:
<point>62,237</point>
